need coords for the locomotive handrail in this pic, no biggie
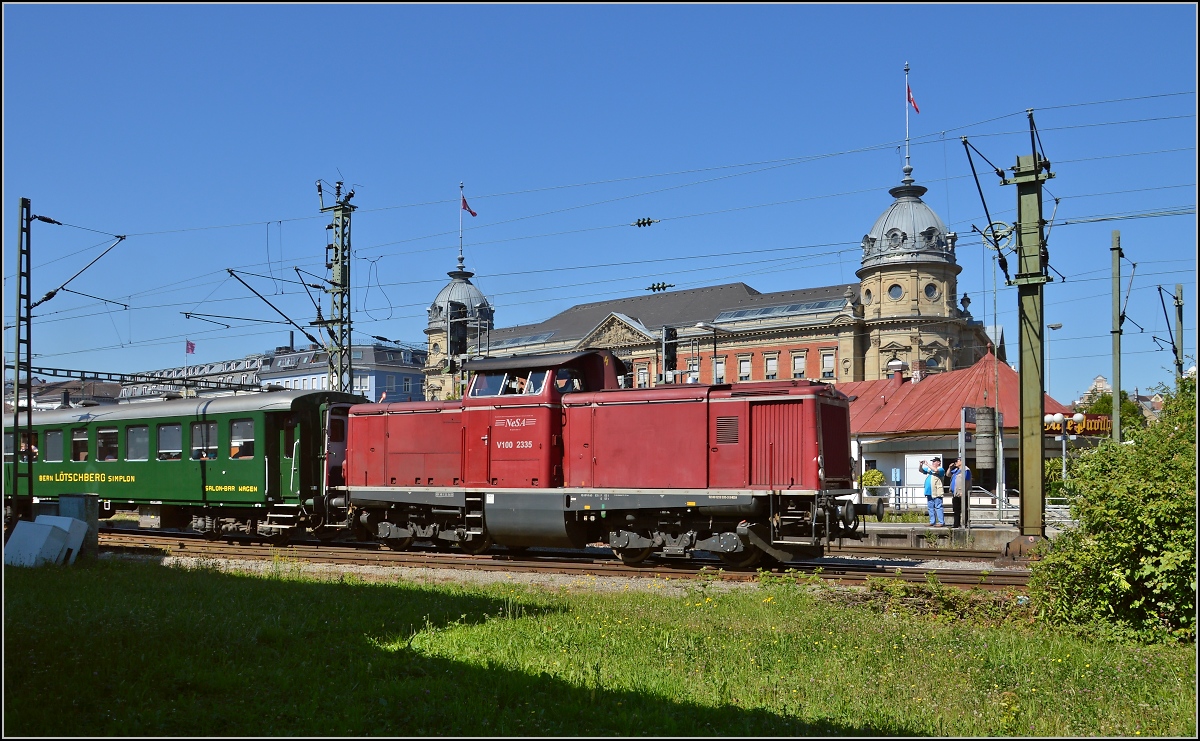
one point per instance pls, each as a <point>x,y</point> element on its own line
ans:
<point>295,455</point>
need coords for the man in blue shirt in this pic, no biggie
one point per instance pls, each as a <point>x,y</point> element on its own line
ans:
<point>933,490</point>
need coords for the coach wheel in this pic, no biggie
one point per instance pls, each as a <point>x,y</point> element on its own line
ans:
<point>398,544</point>
<point>632,556</point>
<point>476,545</point>
<point>742,560</point>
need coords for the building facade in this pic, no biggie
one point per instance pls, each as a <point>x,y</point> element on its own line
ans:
<point>377,370</point>
<point>903,313</point>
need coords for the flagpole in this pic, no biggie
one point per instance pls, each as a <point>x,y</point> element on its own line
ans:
<point>461,200</point>
<point>906,162</point>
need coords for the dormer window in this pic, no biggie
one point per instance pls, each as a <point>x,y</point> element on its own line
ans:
<point>895,238</point>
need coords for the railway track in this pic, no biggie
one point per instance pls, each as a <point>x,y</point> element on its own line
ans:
<point>850,572</point>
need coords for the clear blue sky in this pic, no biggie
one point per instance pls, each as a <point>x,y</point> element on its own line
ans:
<point>764,137</point>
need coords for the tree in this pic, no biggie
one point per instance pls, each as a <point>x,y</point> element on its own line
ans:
<point>1131,414</point>
<point>1129,568</point>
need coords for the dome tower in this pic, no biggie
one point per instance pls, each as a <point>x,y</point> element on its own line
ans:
<point>909,286</point>
<point>458,316</point>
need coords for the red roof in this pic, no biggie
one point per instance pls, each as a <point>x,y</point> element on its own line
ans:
<point>895,405</point>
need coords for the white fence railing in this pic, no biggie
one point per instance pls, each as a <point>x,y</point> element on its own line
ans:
<point>986,507</point>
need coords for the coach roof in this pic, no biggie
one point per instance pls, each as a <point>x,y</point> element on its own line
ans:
<point>267,401</point>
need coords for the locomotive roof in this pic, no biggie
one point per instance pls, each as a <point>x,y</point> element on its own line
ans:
<point>266,401</point>
<point>526,362</point>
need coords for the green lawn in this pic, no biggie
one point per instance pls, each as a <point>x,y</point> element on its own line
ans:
<point>121,648</point>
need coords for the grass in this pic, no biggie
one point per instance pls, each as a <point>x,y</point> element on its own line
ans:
<point>120,648</point>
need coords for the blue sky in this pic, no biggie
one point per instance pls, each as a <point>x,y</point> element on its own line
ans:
<point>764,137</point>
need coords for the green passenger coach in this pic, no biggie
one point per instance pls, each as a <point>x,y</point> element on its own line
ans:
<point>255,464</point>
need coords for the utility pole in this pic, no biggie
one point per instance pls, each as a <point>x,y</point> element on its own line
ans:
<point>1028,175</point>
<point>337,261</point>
<point>22,377</point>
<point>1117,320</point>
<point>1178,333</point>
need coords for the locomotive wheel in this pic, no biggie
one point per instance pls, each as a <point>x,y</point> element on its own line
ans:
<point>743,560</point>
<point>632,556</point>
<point>476,546</point>
<point>398,544</point>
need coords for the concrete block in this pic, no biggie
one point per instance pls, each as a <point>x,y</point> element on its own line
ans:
<point>35,544</point>
<point>84,507</point>
<point>76,533</point>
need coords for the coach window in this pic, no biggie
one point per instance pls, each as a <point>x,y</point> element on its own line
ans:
<point>8,447</point>
<point>54,446</point>
<point>241,438</point>
<point>798,363</point>
<point>289,437</point>
<point>79,444</point>
<point>106,444</point>
<point>772,370</point>
<point>137,443</point>
<point>170,442</point>
<point>204,441</point>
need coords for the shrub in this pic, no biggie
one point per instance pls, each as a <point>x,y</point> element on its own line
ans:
<point>873,477</point>
<point>1129,568</point>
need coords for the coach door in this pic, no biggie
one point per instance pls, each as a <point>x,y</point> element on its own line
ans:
<point>289,458</point>
<point>335,418</point>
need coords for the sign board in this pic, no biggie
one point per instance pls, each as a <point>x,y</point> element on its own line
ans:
<point>896,476</point>
<point>912,467</point>
<point>1096,425</point>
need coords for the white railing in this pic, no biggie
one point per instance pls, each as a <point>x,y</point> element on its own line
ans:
<point>986,507</point>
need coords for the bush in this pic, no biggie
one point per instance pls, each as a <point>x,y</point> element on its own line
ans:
<point>872,477</point>
<point>1129,568</point>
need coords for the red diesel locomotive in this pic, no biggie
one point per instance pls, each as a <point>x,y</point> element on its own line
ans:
<point>549,451</point>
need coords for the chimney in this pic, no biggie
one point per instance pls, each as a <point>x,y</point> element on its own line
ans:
<point>66,400</point>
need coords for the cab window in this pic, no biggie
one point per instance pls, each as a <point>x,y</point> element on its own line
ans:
<point>487,384</point>
<point>567,380</point>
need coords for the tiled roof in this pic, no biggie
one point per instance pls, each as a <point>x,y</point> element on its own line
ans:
<point>673,308</point>
<point>891,406</point>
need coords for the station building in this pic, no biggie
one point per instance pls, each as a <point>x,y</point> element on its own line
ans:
<point>904,311</point>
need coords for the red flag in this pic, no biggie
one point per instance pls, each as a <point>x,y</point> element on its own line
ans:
<point>467,208</point>
<point>911,101</point>
<point>191,347</point>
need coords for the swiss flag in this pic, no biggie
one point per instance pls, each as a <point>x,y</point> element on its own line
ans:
<point>911,101</point>
<point>467,208</point>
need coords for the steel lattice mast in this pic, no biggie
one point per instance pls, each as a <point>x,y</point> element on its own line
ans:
<point>337,260</point>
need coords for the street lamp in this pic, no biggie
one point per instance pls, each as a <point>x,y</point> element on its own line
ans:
<point>715,329</point>
<point>1056,325</point>
<point>1059,419</point>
